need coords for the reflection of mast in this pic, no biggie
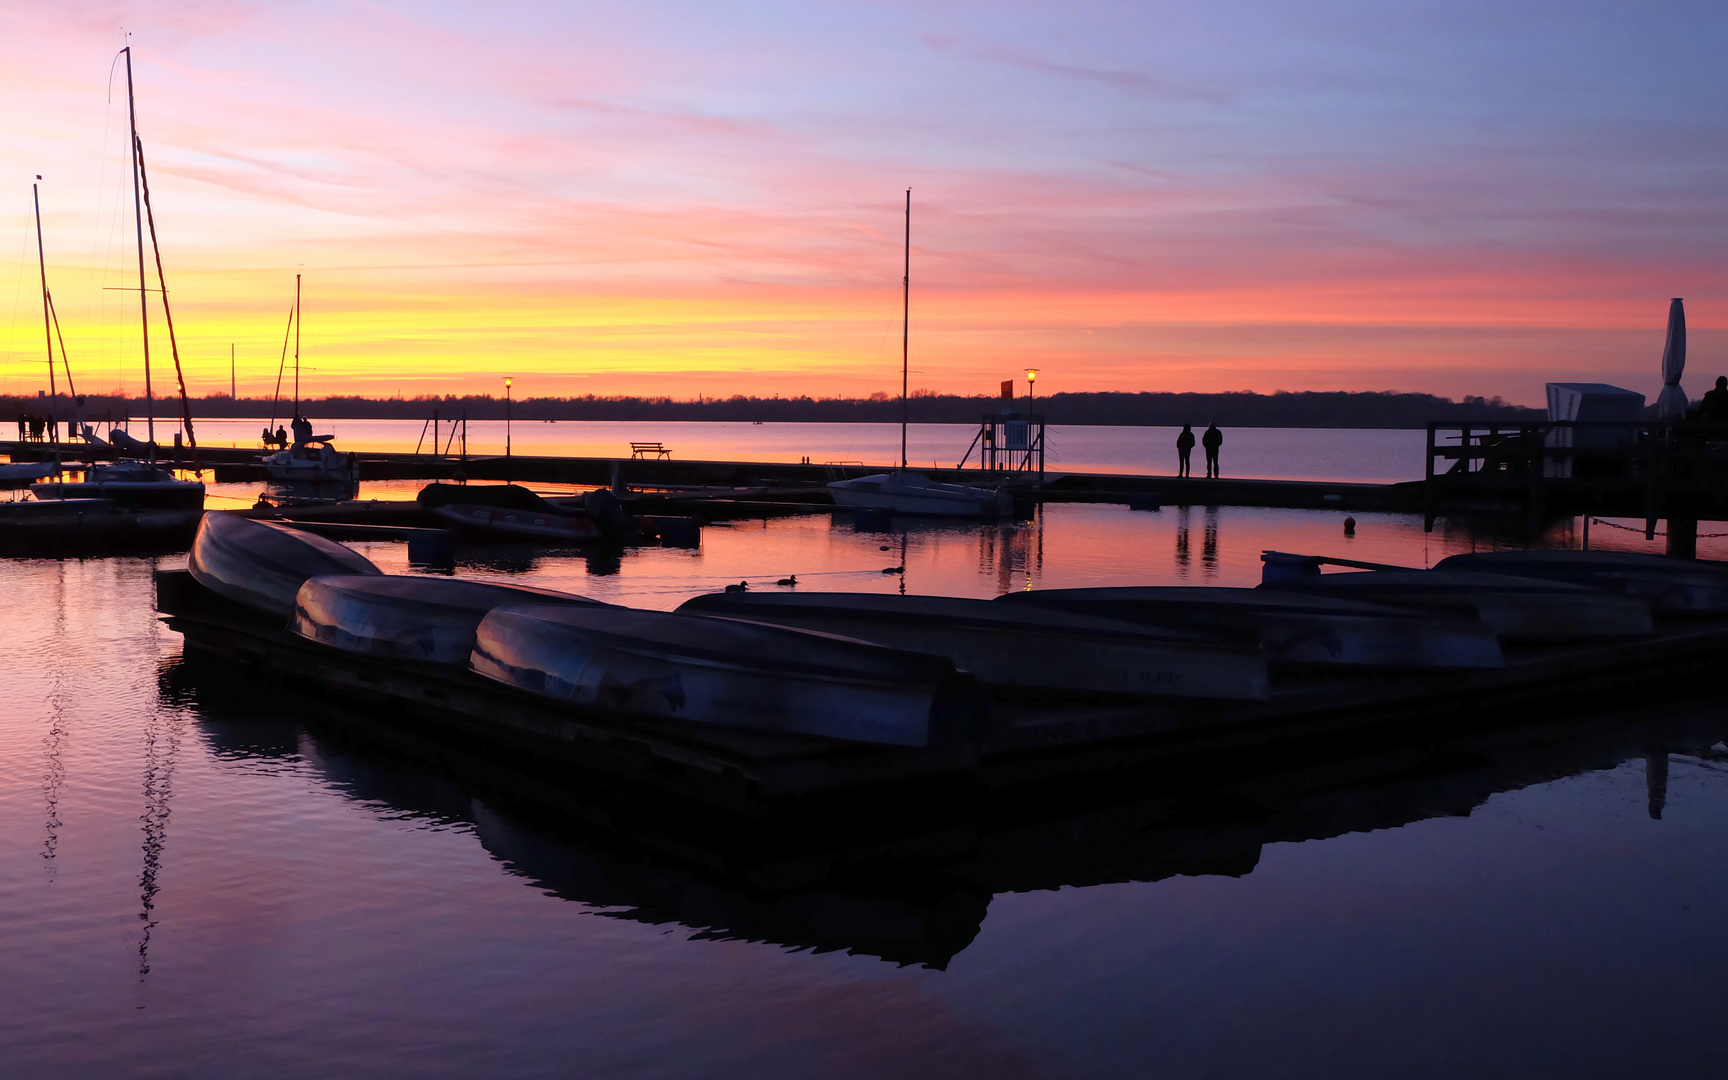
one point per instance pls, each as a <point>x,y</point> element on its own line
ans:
<point>160,741</point>
<point>54,743</point>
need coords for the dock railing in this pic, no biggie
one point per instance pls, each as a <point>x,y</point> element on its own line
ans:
<point>1654,464</point>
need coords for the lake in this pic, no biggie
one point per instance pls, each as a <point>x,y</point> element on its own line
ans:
<point>202,875</point>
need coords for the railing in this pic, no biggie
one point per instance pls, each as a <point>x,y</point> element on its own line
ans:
<point>1008,443</point>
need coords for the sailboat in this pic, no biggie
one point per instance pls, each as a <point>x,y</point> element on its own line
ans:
<point>904,491</point>
<point>311,458</point>
<point>128,483</point>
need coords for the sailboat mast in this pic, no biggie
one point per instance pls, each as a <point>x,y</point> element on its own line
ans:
<point>42,263</point>
<point>905,329</point>
<point>296,345</point>
<point>143,295</point>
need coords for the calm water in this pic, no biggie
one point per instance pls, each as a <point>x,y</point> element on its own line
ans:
<point>1273,453</point>
<point>203,876</point>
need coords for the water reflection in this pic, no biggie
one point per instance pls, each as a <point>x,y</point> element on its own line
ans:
<point>904,876</point>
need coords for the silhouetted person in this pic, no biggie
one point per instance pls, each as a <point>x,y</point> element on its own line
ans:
<point>1714,405</point>
<point>1212,440</point>
<point>1184,447</point>
<point>281,435</point>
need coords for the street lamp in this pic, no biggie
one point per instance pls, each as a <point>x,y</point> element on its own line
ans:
<point>507,381</point>
<point>1031,388</point>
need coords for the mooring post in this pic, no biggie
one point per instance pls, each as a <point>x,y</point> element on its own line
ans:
<point>1682,538</point>
<point>1428,485</point>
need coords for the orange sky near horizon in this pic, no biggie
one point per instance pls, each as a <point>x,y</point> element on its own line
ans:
<point>673,202</point>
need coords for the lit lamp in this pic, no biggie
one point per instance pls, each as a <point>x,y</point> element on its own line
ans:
<point>1031,389</point>
<point>507,381</point>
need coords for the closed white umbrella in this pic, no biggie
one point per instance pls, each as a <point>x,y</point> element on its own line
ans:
<point>1671,405</point>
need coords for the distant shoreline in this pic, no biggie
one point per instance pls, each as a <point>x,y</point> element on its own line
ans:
<point>1362,409</point>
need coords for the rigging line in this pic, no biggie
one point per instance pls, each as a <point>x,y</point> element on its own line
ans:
<point>64,361</point>
<point>167,313</point>
<point>276,398</point>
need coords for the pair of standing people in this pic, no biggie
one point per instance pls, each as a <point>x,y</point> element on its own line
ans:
<point>1211,440</point>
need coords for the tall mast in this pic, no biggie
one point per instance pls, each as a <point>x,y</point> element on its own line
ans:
<point>296,345</point>
<point>138,219</point>
<point>232,393</point>
<point>905,329</point>
<point>42,262</point>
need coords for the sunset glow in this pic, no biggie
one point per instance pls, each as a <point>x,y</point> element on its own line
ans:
<point>681,199</point>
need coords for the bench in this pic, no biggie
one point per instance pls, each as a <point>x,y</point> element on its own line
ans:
<point>645,449</point>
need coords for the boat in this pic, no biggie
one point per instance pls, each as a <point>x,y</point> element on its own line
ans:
<point>1005,646</point>
<point>1293,629</point>
<point>1669,586</point>
<point>1517,609</point>
<point>130,485</point>
<point>261,564</point>
<point>903,491</point>
<point>21,475</point>
<point>407,617</point>
<point>690,669</point>
<point>310,459</point>
<point>512,511</point>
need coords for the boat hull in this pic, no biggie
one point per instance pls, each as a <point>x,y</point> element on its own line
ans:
<point>1008,647</point>
<point>262,565</point>
<point>425,619</point>
<point>1293,630</point>
<point>1669,586</point>
<point>519,524</point>
<point>150,495</point>
<point>690,669</point>
<point>914,494</point>
<point>1517,609</point>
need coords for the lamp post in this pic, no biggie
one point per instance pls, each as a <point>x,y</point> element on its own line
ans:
<point>507,381</point>
<point>1031,387</point>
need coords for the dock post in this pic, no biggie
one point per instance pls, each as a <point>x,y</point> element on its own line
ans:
<point>1428,484</point>
<point>1682,538</point>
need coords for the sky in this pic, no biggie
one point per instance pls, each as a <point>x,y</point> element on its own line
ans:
<point>708,198</point>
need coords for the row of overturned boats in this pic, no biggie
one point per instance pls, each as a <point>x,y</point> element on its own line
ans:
<point>742,694</point>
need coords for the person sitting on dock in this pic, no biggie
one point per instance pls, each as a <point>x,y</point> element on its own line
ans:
<point>1212,440</point>
<point>1714,404</point>
<point>1184,447</point>
<point>281,436</point>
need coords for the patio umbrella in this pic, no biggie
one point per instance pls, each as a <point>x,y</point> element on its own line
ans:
<point>1671,405</point>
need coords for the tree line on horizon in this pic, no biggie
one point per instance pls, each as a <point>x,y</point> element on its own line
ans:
<point>1307,408</point>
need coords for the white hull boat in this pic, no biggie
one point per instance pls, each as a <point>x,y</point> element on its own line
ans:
<point>427,619</point>
<point>690,669</point>
<point>1294,629</point>
<point>262,565</point>
<point>916,494</point>
<point>1517,609</point>
<point>130,485</point>
<point>1669,586</point>
<point>312,461</point>
<point>23,474</point>
<point>1007,646</point>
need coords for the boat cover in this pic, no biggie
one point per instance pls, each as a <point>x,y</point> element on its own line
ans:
<point>262,564</point>
<point>1669,586</point>
<point>698,670</point>
<point>407,617</point>
<point>1020,647</point>
<point>1518,608</point>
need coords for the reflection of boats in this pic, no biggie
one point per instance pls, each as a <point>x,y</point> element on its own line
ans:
<point>1010,646</point>
<point>1670,586</point>
<point>1518,609</point>
<point>899,876</point>
<point>261,565</point>
<point>721,672</point>
<point>129,485</point>
<point>428,619</point>
<point>1292,628</point>
<point>905,492</point>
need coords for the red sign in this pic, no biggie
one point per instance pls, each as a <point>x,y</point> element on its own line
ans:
<point>1008,389</point>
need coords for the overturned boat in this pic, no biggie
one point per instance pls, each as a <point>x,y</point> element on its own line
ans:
<point>1293,629</point>
<point>1006,646</point>
<point>407,617</point>
<point>1669,586</point>
<point>262,565</point>
<point>1516,608</point>
<point>913,493</point>
<point>691,669</point>
<point>514,512</point>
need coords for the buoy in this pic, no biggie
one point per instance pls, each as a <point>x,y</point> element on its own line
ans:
<point>884,547</point>
<point>1349,526</point>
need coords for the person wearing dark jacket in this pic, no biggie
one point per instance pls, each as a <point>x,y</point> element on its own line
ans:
<point>1212,440</point>
<point>1184,447</point>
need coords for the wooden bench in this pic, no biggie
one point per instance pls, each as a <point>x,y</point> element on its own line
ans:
<point>644,449</point>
